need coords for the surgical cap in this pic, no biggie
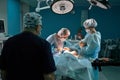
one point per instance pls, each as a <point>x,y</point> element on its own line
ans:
<point>31,19</point>
<point>64,32</point>
<point>90,23</point>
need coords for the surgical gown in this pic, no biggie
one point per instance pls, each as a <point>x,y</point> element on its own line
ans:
<point>93,45</point>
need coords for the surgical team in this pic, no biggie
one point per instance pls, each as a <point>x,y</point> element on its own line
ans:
<point>89,45</point>
<point>54,45</point>
<point>91,40</point>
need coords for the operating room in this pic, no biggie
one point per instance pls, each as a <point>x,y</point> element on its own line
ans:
<point>12,11</point>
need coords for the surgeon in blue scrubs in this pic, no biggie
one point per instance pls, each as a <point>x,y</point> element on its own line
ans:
<point>92,40</point>
<point>57,40</point>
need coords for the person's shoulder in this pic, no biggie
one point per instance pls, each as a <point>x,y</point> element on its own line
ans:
<point>43,41</point>
<point>11,38</point>
<point>98,33</point>
<point>52,35</point>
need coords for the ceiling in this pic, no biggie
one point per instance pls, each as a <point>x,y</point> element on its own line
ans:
<point>33,3</point>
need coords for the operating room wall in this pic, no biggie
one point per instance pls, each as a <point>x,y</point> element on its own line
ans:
<point>108,21</point>
<point>12,12</point>
<point>13,16</point>
<point>3,12</point>
<point>53,22</point>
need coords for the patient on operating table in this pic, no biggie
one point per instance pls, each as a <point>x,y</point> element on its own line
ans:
<point>72,51</point>
<point>71,64</point>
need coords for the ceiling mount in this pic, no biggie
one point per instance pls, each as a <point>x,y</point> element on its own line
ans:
<point>39,8</point>
<point>49,2</point>
<point>65,6</point>
<point>100,3</point>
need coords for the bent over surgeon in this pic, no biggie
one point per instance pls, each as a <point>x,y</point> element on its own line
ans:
<point>91,41</point>
<point>57,39</point>
<point>26,56</point>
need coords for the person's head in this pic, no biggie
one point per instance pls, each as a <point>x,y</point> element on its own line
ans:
<point>90,25</point>
<point>63,33</point>
<point>32,22</point>
<point>82,44</point>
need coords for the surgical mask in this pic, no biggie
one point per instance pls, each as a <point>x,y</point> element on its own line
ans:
<point>62,39</point>
<point>87,30</point>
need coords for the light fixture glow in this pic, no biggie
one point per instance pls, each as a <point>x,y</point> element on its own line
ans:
<point>62,6</point>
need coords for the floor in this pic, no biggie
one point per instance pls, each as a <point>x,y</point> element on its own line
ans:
<point>109,73</point>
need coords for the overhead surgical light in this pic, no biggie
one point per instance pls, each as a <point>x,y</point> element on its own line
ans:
<point>100,3</point>
<point>62,6</point>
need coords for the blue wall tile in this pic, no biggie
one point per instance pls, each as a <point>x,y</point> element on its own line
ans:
<point>13,16</point>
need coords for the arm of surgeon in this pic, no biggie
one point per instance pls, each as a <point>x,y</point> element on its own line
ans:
<point>49,76</point>
<point>3,74</point>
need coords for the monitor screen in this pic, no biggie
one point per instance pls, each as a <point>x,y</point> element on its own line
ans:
<point>2,27</point>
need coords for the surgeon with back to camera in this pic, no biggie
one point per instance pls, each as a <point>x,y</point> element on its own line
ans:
<point>90,45</point>
<point>26,56</point>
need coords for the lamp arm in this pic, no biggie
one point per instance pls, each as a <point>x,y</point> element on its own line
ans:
<point>42,8</point>
<point>90,7</point>
<point>38,8</point>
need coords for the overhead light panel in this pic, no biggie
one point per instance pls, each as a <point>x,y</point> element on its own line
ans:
<point>62,6</point>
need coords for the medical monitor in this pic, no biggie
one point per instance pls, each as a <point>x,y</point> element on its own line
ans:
<point>2,26</point>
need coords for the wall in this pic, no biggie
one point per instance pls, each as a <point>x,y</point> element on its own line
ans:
<point>108,21</point>
<point>12,12</point>
<point>53,22</point>
<point>13,15</point>
<point>3,12</point>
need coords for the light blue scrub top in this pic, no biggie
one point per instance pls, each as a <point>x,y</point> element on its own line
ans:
<point>93,42</point>
<point>55,43</point>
